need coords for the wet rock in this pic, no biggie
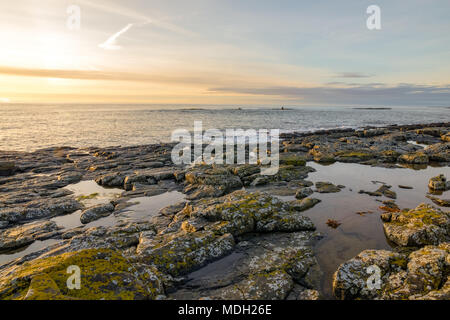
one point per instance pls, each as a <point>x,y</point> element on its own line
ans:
<point>414,158</point>
<point>446,137</point>
<point>421,226</point>
<point>439,152</point>
<point>422,274</point>
<point>303,193</point>
<point>23,235</point>
<point>435,132</point>
<point>263,267</point>
<point>383,190</point>
<point>70,177</point>
<point>327,187</point>
<point>438,183</point>
<point>354,156</point>
<point>7,168</point>
<point>183,252</point>
<point>96,212</point>
<point>439,202</point>
<point>304,204</point>
<point>292,159</point>
<point>390,206</point>
<point>322,154</point>
<point>242,212</point>
<point>111,180</point>
<point>210,181</point>
<point>39,209</point>
<point>371,132</point>
<point>130,182</point>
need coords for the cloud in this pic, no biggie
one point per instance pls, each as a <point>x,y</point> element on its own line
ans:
<point>352,75</point>
<point>92,74</point>
<point>125,11</point>
<point>111,42</point>
<point>372,94</point>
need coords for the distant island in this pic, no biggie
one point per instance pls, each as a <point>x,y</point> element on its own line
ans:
<point>375,108</point>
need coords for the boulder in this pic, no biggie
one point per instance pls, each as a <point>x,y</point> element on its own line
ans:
<point>96,212</point>
<point>420,275</point>
<point>7,168</point>
<point>424,225</point>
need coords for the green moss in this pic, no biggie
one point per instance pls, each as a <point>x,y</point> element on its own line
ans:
<point>105,274</point>
<point>354,154</point>
<point>91,196</point>
<point>400,262</point>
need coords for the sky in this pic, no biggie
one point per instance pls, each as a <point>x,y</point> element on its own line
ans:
<point>225,52</point>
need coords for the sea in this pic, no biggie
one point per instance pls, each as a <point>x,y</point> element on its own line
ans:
<point>28,127</point>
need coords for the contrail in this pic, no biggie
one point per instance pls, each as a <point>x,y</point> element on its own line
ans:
<point>111,43</point>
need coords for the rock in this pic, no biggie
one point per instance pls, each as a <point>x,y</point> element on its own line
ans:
<point>304,204</point>
<point>70,177</point>
<point>210,181</point>
<point>96,212</point>
<point>435,132</point>
<point>327,187</point>
<point>439,202</point>
<point>446,137</point>
<point>111,180</point>
<point>7,168</point>
<point>106,274</point>
<point>383,190</point>
<point>292,159</point>
<point>39,209</point>
<point>421,226</point>
<point>303,193</point>
<point>414,158</point>
<point>405,187</point>
<point>130,182</point>
<point>439,152</point>
<point>23,235</point>
<point>242,212</point>
<point>353,156</point>
<point>371,132</point>
<point>267,266</point>
<point>390,206</point>
<point>180,253</point>
<point>438,183</point>
<point>421,274</point>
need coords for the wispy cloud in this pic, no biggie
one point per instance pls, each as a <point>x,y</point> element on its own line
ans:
<point>352,75</point>
<point>376,94</point>
<point>125,11</point>
<point>111,42</point>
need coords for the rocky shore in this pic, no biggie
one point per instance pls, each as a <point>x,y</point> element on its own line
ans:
<point>233,236</point>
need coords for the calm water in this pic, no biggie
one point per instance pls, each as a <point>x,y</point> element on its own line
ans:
<point>30,127</point>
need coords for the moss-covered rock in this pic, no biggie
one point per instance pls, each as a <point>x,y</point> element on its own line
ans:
<point>421,226</point>
<point>438,183</point>
<point>292,159</point>
<point>414,158</point>
<point>105,274</point>
<point>422,274</point>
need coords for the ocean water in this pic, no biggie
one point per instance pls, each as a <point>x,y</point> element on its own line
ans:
<point>26,127</point>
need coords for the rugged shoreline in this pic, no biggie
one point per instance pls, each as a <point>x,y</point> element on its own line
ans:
<point>258,246</point>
